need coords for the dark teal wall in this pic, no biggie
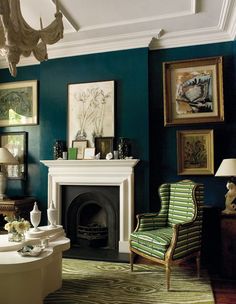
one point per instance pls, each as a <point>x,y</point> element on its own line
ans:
<point>129,69</point>
<point>139,116</point>
<point>163,157</point>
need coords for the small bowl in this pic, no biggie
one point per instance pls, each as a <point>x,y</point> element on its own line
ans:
<point>30,250</point>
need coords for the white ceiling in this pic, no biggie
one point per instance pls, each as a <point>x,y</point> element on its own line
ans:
<point>92,26</point>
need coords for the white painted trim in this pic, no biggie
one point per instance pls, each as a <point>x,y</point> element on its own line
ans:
<point>228,19</point>
<point>191,37</point>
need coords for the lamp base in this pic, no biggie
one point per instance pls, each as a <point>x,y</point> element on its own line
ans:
<point>3,185</point>
<point>2,197</point>
<point>230,199</point>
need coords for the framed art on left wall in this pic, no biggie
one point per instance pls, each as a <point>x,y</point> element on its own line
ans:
<point>16,143</point>
<point>19,103</point>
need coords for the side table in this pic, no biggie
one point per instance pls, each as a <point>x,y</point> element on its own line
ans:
<point>228,241</point>
<point>19,206</point>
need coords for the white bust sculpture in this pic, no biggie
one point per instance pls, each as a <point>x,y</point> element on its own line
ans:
<point>230,198</point>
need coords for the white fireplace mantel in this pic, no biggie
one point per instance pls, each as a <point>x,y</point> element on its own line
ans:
<point>96,173</point>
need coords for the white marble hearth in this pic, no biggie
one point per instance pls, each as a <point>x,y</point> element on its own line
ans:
<point>94,173</point>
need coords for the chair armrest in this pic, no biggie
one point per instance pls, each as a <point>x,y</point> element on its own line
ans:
<point>147,221</point>
<point>189,232</point>
<point>146,215</point>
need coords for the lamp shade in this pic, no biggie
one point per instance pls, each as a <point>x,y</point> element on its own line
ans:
<point>7,158</point>
<point>227,167</point>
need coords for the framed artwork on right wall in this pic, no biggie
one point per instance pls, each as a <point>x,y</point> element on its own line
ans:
<point>193,91</point>
<point>195,152</point>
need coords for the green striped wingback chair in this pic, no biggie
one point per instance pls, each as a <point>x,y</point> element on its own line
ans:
<point>174,233</point>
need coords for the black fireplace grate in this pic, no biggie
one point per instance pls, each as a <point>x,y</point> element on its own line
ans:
<point>92,232</point>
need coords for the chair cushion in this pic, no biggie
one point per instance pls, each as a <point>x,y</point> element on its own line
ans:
<point>152,242</point>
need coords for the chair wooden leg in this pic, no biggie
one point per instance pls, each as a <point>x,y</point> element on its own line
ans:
<point>168,271</point>
<point>131,257</point>
<point>198,262</point>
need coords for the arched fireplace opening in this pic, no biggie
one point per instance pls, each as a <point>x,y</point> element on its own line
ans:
<point>91,218</point>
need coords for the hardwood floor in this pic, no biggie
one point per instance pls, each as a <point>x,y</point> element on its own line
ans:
<point>224,289</point>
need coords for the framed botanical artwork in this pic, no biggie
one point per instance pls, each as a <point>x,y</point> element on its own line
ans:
<point>193,91</point>
<point>80,145</point>
<point>89,153</point>
<point>90,110</point>
<point>19,103</point>
<point>195,152</point>
<point>104,145</point>
<point>16,143</point>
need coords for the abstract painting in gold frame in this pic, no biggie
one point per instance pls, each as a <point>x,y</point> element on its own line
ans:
<point>193,91</point>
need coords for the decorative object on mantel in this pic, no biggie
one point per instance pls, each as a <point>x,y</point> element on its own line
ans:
<point>58,148</point>
<point>16,228</point>
<point>109,156</point>
<point>72,153</point>
<point>52,215</point>
<point>123,148</point>
<point>18,38</point>
<point>228,169</point>
<point>6,158</point>
<point>35,217</point>
<point>98,156</point>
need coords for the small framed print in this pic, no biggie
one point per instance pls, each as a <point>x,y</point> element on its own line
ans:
<point>195,152</point>
<point>89,153</point>
<point>104,145</point>
<point>81,145</point>
<point>17,144</point>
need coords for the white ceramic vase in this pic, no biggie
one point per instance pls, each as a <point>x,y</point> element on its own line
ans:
<point>35,217</point>
<point>52,215</point>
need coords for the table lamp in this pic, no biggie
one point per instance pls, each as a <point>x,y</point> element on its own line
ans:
<point>228,169</point>
<point>6,158</point>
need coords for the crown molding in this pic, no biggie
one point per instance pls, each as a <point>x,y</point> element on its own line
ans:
<point>228,20</point>
<point>91,46</point>
<point>190,38</point>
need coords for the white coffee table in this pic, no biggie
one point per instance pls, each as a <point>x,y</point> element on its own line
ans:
<point>29,280</point>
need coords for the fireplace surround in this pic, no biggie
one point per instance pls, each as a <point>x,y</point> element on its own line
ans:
<point>118,173</point>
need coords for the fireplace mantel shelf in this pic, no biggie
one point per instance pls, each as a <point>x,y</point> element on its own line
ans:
<point>91,163</point>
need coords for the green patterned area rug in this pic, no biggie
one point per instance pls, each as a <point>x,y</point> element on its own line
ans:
<point>96,282</point>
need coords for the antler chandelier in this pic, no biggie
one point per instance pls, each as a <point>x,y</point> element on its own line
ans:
<point>18,38</point>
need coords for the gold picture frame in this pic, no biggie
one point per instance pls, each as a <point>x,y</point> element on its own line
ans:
<point>195,152</point>
<point>193,91</point>
<point>19,103</point>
